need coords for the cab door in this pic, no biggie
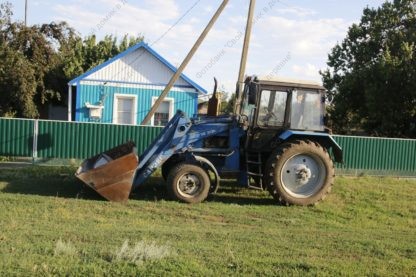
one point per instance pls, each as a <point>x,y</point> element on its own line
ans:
<point>270,118</point>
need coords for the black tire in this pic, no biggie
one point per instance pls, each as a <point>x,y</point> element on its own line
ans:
<point>188,183</point>
<point>166,166</point>
<point>299,173</point>
<point>165,170</point>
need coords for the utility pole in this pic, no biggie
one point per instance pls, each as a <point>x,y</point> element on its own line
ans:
<point>244,54</point>
<point>178,73</point>
<point>25,12</point>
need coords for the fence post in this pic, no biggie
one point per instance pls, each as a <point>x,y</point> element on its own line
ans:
<point>35,141</point>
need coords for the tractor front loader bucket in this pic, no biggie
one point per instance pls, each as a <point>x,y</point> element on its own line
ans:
<point>111,173</point>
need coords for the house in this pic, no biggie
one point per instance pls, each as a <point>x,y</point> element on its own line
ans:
<point>202,107</point>
<point>123,90</point>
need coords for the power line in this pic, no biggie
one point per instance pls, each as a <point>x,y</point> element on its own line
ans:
<point>158,39</point>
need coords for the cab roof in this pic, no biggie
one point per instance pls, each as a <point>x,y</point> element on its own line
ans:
<point>288,82</point>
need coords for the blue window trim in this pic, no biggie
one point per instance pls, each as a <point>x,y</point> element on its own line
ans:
<point>144,45</point>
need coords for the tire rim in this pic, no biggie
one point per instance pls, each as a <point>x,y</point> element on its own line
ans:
<point>189,185</point>
<point>303,175</point>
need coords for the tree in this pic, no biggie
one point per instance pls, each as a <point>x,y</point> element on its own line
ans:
<point>17,85</point>
<point>372,73</point>
<point>34,47</point>
<point>227,106</point>
<point>96,52</point>
<point>38,61</point>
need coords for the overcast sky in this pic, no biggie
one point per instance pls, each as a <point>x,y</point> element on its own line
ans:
<point>291,38</point>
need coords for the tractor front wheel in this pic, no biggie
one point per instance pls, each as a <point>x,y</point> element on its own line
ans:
<point>188,183</point>
<point>299,173</point>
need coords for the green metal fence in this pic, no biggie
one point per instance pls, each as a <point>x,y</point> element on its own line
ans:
<point>377,156</point>
<point>66,140</point>
<point>16,137</point>
<point>80,140</point>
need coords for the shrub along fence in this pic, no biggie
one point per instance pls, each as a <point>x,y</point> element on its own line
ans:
<point>42,139</point>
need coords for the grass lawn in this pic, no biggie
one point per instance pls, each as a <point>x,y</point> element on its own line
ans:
<point>51,225</point>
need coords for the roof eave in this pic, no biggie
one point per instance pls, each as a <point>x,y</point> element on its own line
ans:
<point>104,64</point>
<point>197,87</point>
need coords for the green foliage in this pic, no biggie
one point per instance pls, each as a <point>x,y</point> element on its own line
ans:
<point>4,159</point>
<point>227,105</point>
<point>95,53</point>
<point>372,73</point>
<point>17,85</point>
<point>50,225</point>
<point>5,13</point>
<point>38,61</point>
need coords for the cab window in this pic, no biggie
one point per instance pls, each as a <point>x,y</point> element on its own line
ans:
<point>307,110</point>
<point>272,108</point>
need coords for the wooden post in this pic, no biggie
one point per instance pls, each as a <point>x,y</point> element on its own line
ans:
<point>244,54</point>
<point>177,74</point>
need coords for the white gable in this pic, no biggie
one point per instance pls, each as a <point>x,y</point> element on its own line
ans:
<point>139,66</point>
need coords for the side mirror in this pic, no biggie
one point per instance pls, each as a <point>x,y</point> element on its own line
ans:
<point>252,91</point>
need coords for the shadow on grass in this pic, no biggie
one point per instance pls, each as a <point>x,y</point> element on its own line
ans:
<point>229,193</point>
<point>242,200</point>
<point>61,182</point>
<point>45,181</point>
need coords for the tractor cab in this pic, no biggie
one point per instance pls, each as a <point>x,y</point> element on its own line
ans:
<point>272,106</point>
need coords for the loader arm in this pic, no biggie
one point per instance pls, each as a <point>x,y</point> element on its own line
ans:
<point>178,137</point>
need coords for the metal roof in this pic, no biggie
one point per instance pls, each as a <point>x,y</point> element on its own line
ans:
<point>127,65</point>
<point>289,82</point>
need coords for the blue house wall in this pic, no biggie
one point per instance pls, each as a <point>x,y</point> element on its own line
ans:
<point>183,100</point>
<point>138,71</point>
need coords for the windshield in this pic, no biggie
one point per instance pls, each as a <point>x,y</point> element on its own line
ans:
<point>307,111</point>
<point>272,108</point>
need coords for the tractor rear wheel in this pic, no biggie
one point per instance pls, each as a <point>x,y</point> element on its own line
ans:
<point>299,173</point>
<point>188,183</point>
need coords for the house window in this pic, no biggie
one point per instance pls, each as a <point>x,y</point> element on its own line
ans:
<point>125,107</point>
<point>164,113</point>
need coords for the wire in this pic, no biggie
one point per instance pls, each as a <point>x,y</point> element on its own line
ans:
<point>176,23</point>
<point>158,39</point>
<point>172,27</point>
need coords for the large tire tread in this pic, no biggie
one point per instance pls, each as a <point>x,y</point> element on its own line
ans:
<point>284,151</point>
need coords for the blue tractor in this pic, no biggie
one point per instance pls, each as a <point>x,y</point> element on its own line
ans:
<point>275,140</point>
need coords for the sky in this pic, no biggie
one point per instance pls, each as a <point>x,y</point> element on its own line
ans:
<point>291,38</point>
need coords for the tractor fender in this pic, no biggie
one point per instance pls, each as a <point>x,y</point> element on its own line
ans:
<point>216,184</point>
<point>326,140</point>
